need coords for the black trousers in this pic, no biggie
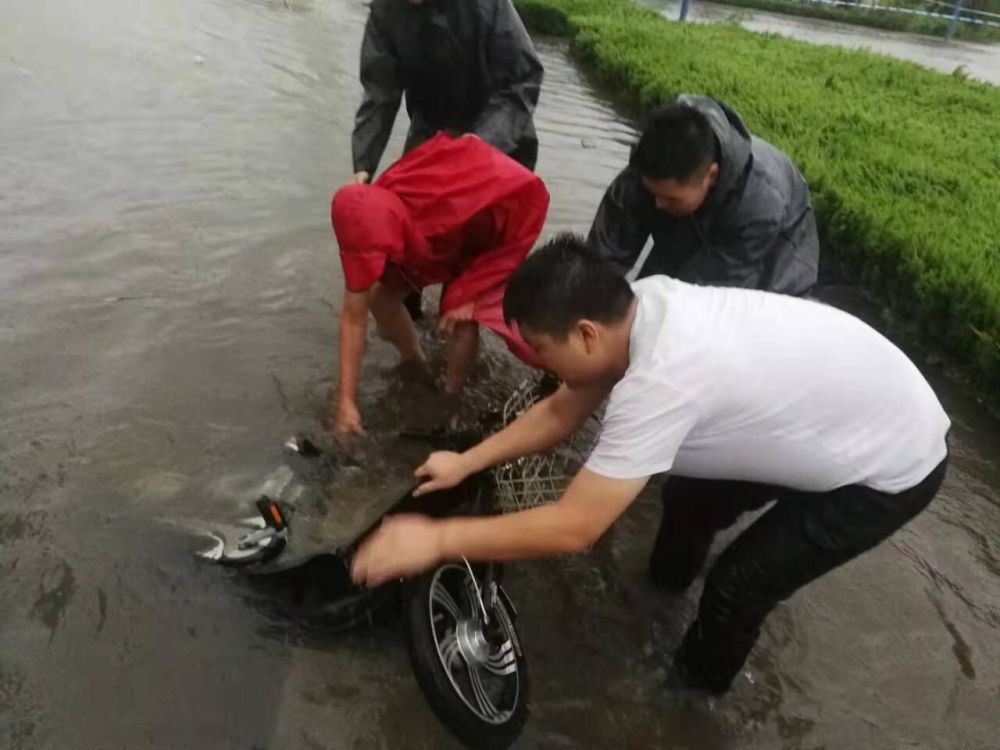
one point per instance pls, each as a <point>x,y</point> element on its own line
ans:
<point>801,537</point>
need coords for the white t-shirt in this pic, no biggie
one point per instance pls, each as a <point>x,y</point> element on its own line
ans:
<point>746,385</point>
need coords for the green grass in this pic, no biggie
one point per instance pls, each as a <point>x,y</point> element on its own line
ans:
<point>903,163</point>
<point>873,17</point>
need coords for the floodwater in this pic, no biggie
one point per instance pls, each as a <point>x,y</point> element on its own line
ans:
<point>168,286</point>
<point>981,61</point>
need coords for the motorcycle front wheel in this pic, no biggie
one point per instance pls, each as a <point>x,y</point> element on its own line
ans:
<point>470,666</point>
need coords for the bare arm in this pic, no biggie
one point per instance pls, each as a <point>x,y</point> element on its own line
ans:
<point>408,544</point>
<point>353,328</point>
<point>544,425</point>
<point>591,504</point>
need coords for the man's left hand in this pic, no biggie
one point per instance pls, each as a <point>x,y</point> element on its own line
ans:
<point>404,545</point>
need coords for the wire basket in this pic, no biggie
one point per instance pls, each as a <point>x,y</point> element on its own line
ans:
<point>541,477</point>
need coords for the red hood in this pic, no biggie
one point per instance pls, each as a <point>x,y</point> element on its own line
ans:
<point>414,215</point>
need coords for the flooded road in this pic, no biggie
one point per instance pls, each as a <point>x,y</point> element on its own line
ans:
<point>168,286</point>
<point>980,61</point>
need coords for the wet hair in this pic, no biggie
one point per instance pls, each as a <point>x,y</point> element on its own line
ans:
<point>677,144</point>
<point>562,283</point>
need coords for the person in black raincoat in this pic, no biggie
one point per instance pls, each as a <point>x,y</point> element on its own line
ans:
<point>463,65</point>
<point>724,207</point>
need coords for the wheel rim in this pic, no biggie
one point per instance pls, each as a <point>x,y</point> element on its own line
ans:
<point>483,674</point>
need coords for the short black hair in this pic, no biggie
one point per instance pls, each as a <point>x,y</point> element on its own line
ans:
<point>677,144</point>
<point>562,283</point>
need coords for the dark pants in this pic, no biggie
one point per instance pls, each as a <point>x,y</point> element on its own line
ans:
<point>526,154</point>
<point>801,537</point>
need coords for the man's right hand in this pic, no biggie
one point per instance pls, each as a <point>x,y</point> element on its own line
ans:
<point>442,470</point>
<point>361,178</point>
<point>348,419</point>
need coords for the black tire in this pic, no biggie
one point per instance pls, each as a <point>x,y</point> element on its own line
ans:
<point>493,716</point>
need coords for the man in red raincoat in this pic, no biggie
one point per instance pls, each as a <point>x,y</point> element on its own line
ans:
<point>453,211</point>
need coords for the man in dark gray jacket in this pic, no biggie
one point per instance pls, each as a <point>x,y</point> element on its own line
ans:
<point>464,65</point>
<point>724,208</point>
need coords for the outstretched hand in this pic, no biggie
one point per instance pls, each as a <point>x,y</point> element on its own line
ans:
<point>403,545</point>
<point>348,421</point>
<point>442,470</point>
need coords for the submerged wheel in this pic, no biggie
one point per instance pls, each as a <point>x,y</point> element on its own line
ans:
<point>474,676</point>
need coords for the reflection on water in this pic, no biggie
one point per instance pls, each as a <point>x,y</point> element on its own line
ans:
<point>168,288</point>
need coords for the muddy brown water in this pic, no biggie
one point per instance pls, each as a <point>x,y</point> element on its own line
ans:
<point>168,285</point>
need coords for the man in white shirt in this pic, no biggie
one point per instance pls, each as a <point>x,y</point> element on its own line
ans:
<point>743,396</point>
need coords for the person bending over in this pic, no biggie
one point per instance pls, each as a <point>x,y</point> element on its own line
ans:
<point>741,397</point>
<point>454,211</point>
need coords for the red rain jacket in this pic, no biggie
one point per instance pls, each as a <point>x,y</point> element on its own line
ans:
<point>454,211</point>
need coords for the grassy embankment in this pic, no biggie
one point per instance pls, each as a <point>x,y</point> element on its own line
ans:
<point>903,162</point>
<point>873,18</point>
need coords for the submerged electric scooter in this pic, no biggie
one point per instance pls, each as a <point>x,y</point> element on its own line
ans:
<point>459,621</point>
